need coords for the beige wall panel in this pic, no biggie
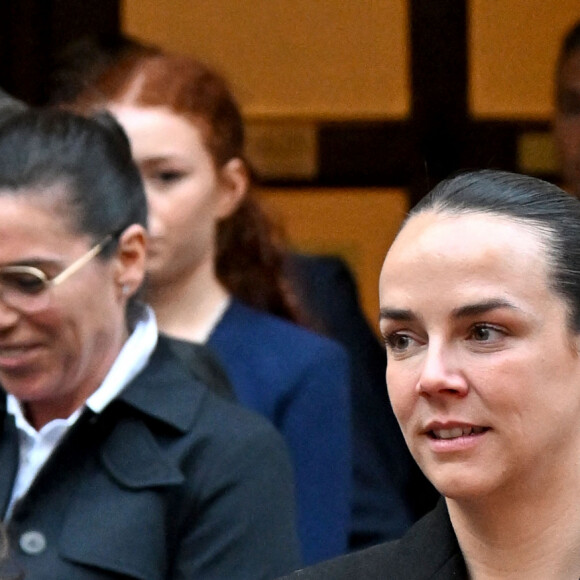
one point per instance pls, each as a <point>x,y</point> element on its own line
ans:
<point>357,224</point>
<point>513,50</point>
<point>291,58</point>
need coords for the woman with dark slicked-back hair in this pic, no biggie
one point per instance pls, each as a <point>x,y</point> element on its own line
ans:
<point>480,313</point>
<point>116,463</point>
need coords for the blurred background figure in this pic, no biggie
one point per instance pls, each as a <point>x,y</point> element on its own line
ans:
<point>215,275</point>
<point>567,116</point>
<point>389,490</point>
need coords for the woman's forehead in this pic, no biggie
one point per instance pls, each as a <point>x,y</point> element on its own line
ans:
<point>440,264</point>
<point>49,205</point>
<point>431,230</point>
<point>432,242</point>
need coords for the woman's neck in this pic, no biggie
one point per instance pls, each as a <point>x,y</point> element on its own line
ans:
<point>529,534</point>
<point>189,307</point>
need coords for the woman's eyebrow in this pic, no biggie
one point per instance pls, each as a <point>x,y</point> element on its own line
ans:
<point>403,314</point>
<point>32,261</point>
<point>154,160</point>
<point>396,314</point>
<point>482,307</point>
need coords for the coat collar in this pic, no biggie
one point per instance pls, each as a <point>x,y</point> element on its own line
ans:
<point>431,545</point>
<point>158,391</point>
<point>163,392</point>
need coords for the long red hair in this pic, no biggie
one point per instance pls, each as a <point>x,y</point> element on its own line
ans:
<point>250,250</point>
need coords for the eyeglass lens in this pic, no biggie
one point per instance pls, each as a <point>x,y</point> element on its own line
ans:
<point>24,289</point>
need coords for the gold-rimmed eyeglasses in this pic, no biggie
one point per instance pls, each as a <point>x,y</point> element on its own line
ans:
<point>25,288</point>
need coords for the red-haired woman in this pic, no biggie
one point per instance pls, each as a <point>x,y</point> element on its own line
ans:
<point>215,275</point>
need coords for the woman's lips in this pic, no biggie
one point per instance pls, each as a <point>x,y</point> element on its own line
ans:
<point>454,432</point>
<point>16,356</point>
<point>444,438</point>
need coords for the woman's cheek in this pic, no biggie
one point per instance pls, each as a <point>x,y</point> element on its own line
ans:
<point>402,393</point>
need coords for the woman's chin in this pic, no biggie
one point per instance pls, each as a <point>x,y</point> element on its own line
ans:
<point>462,484</point>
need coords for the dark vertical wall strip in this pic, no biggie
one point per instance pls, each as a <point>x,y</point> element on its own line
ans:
<point>23,41</point>
<point>33,31</point>
<point>438,44</point>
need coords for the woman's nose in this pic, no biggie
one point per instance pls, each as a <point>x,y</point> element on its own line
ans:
<point>441,374</point>
<point>8,316</point>
<point>154,225</point>
<point>154,222</point>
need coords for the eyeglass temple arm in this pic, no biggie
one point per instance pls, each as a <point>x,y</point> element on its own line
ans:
<point>81,261</point>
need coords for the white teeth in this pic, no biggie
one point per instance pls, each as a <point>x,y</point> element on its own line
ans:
<point>12,350</point>
<point>449,433</point>
<point>456,432</point>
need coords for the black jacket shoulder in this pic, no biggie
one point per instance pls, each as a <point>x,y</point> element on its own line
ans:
<point>429,551</point>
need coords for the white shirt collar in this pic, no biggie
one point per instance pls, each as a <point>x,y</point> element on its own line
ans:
<point>132,359</point>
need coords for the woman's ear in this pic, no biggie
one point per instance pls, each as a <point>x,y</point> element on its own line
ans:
<point>131,255</point>
<point>234,183</point>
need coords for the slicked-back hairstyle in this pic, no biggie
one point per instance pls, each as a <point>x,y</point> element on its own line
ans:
<point>92,157</point>
<point>82,164</point>
<point>548,211</point>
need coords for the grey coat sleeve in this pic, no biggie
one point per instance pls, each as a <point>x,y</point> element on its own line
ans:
<point>242,525</point>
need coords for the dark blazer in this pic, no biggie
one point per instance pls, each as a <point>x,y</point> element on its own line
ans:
<point>300,382</point>
<point>390,492</point>
<point>169,482</point>
<point>203,366</point>
<point>428,551</point>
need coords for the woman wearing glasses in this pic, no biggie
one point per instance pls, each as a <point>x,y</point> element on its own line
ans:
<point>114,462</point>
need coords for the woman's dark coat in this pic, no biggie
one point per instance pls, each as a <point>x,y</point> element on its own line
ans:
<point>168,482</point>
<point>428,551</point>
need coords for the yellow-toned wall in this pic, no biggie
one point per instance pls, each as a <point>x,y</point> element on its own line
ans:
<point>357,224</point>
<point>350,59</point>
<point>297,60</point>
<point>291,58</point>
<point>513,46</point>
<point>304,60</point>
